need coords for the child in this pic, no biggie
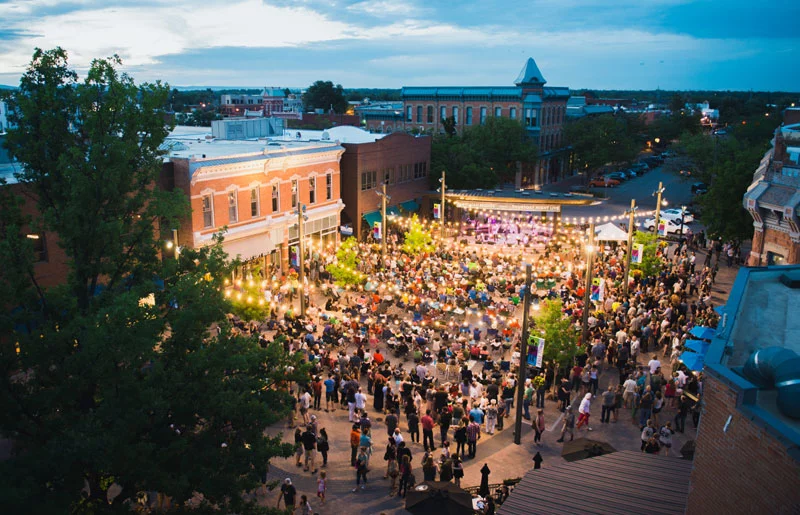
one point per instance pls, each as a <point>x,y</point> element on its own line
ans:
<point>305,507</point>
<point>322,486</point>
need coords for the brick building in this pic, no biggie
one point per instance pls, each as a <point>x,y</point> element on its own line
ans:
<point>253,188</point>
<point>773,197</point>
<point>270,102</point>
<point>399,159</point>
<point>748,441</point>
<point>540,109</point>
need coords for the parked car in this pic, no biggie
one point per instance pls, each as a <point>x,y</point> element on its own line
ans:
<point>621,177</point>
<point>640,167</point>
<point>699,188</point>
<point>603,182</point>
<point>675,214</point>
<point>671,227</point>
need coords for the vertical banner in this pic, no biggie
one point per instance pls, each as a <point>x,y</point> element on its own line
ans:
<point>539,352</point>
<point>376,230</point>
<point>636,253</point>
<point>662,227</point>
<point>294,255</point>
<point>437,211</point>
<point>598,289</point>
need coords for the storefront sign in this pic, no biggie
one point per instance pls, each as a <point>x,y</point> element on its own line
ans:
<point>523,207</point>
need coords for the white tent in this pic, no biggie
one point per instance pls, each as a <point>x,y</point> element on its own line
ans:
<point>610,232</point>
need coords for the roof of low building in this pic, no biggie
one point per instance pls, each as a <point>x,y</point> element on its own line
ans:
<point>530,73</point>
<point>614,483</point>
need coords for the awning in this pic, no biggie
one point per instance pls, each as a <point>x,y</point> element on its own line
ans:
<point>610,232</point>
<point>693,361</point>
<point>704,333</point>
<point>410,206</point>
<point>372,218</point>
<point>392,210</point>
<point>698,346</point>
<point>248,248</point>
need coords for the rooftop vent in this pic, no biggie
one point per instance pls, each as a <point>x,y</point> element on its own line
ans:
<point>790,282</point>
<point>777,367</point>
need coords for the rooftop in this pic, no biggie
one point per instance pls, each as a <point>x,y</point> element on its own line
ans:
<point>530,74</point>
<point>341,134</point>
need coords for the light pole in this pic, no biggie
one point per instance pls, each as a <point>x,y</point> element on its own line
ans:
<point>523,355</point>
<point>631,229</point>
<point>588,290</point>
<point>683,214</point>
<point>441,209</point>
<point>384,232</point>
<point>658,193</point>
<point>301,259</point>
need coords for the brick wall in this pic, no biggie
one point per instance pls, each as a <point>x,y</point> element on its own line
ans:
<point>744,470</point>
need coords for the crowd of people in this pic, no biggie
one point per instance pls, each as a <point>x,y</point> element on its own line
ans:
<point>430,339</point>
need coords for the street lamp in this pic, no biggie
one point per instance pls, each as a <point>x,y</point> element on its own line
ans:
<point>657,194</point>
<point>301,219</point>
<point>384,198</point>
<point>441,208</point>
<point>588,290</point>
<point>683,214</point>
<point>523,354</point>
<point>631,229</point>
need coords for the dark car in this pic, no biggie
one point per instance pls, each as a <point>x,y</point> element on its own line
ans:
<point>699,188</point>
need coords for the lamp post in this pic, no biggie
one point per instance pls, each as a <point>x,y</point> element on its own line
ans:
<point>658,193</point>
<point>301,260</point>
<point>441,209</point>
<point>631,229</point>
<point>384,199</point>
<point>523,354</point>
<point>588,290</point>
<point>683,214</point>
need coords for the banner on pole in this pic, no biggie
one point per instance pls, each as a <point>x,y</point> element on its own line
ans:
<point>376,230</point>
<point>662,227</point>
<point>636,253</point>
<point>437,211</point>
<point>536,352</point>
<point>598,289</point>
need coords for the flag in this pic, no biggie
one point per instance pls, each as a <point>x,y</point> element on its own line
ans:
<point>598,289</point>
<point>437,211</point>
<point>376,230</point>
<point>637,252</point>
<point>662,227</point>
<point>539,352</point>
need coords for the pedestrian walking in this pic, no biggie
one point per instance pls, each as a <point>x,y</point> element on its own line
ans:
<point>322,486</point>
<point>473,435</point>
<point>323,446</point>
<point>355,438</point>
<point>406,476</point>
<point>607,407</point>
<point>665,437</point>
<point>288,495</point>
<point>362,464</point>
<point>538,427</point>
<point>647,433</point>
<point>584,412</point>
<point>569,425</point>
<point>491,416</point>
<point>427,431</point>
<point>458,469</point>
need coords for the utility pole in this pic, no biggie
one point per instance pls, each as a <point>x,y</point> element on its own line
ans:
<point>588,290</point>
<point>301,256</point>
<point>384,231</point>
<point>631,230</point>
<point>523,354</point>
<point>658,193</point>
<point>441,209</point>
<point>683,215</point>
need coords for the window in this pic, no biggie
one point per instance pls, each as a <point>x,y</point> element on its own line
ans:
<point>369,180</point>
<point>430,114</point>
<point>530,117</point>
<point>498,112</point>
<point>419,114</point>
<point>312,190</point>
<point>455,114</point>
<point>208,211</point>
<point>329,186</point>
<point>469,116</point>
<point>294,194</point>
<point>39,247</point>
<point>254,202</point>
<point>420,170</point>
<point>512,113</point>
<point>442,114</point>
<point>483,115</point>
<point>276,191</point>
<point>403,174</point>
<point>408,114</point>
<point>388,175</point>
<point>233,207</point>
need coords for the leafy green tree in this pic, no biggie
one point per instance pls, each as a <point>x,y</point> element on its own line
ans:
<point>560,337</point>
<point>500,144</point>
<point>449,126</point>
<point>603,140</point>
<point>651,264</point>
<point>417,239</point>
<point>324,95</point>
<point>460,160</point>
<point>110,392</point>
<point>344,270</point>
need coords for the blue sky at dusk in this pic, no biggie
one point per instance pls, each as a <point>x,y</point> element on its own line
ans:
<point>617,44</point>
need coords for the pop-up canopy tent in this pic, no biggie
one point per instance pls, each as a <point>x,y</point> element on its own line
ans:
<point>610,232</point>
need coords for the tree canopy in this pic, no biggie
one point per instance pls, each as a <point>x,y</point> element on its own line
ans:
<point>417,239</point>
<point>604,139</point>
<point>115,384</point>
<point>345,269</point>
<point>559,334</point>
<point>324,95</point>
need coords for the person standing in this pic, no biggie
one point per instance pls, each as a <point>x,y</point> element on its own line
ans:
<point>322,487</point>
<point>584,412</point>
<point>390,456</point>
<point>540,382</point>
<point>460,436</point>
<point>491,416</point>
<point>429,468</point>
<point>330,391</point>
<point>427,431</point>
<point>362,461</point>
<point>608,405</point>
<point>317,387</point>
<point>645,406</point>
<point>665,437</point>
<point>406,473</point>
<point>647,433</point>
<point>391,423</point>
<point>355,438</point>
<point>413,426</point>
<point>458,469</point>
<point>323,446</point>
<point>680,416</point>
<point>473,435</point>
<point>527,399</point>
<point>309,445</point>
<point>538,427</point>
<point>569,425</point>
<point>288,494</point>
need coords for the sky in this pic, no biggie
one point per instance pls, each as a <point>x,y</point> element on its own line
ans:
<point>614,44</point>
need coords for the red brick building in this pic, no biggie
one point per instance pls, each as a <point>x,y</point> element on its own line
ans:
<point>399,159</point>
<point>773,198</point>
<point>747,457</point>
<point>253,188</point>
<point>540,109</point>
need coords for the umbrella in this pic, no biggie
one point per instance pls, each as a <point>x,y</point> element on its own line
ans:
<point>692,361</point>
<point>483,490</point>
<point>438,498</point>
<point>698,346</point>
<point>582,448</point>
<point>720,310</point>
<point>704,333</point>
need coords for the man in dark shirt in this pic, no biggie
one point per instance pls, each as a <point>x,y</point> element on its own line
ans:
<point>427,431</point>
<point>309,445</point>
<point>391,423</point>
<point>413,426</point>
<point>492,390</point>
<point>288,494</point>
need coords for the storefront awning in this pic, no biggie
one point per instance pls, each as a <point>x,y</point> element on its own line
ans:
<point>410,206</point>
<point>372,218</point>
<point>392,210</point>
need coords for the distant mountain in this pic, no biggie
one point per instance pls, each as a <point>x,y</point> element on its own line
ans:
<point>3,86</point>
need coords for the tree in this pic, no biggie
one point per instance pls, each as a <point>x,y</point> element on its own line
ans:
<point>126,384</point>
<point>603,140</point>
<point>417,238</point>
<point>345,269</point>
<point>651,264</point>
<point>500,144</point>
<point>324,95</point>
<point>559,334</point>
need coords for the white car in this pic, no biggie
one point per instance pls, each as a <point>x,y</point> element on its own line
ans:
<point>675,214</point>
<point>670,227</point>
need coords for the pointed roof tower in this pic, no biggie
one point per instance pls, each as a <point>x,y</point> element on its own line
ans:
<point>530,74</point>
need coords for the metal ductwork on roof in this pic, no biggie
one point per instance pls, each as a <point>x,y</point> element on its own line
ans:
<point>777,367</point>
